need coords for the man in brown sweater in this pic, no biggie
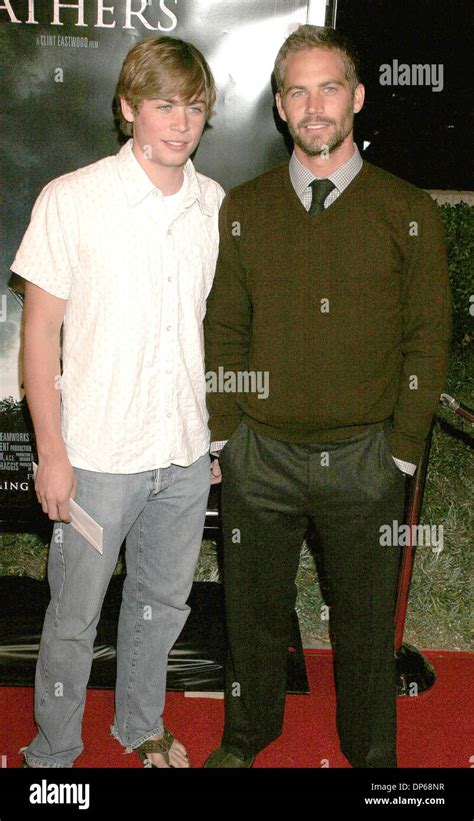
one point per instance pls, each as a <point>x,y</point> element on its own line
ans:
<point>332,284</point>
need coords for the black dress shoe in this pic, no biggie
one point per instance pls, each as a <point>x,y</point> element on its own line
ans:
<point>221,758</point>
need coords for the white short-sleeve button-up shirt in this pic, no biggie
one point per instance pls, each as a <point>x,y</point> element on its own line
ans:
<point>135,268</point>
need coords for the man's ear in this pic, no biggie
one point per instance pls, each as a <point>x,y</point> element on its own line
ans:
<point>359,97</point>
<point>127,110</point>
<point>279,105</point>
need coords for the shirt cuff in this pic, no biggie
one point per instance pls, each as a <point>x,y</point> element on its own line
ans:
<point>405,467</point>
<point>216,447</point>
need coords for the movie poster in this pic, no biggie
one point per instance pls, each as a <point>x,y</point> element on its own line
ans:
<point>60,65</point>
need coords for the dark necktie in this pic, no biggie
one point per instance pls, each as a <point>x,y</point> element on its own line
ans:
<point>321,189</point>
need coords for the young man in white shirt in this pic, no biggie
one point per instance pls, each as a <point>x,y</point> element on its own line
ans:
<point>121,255</point>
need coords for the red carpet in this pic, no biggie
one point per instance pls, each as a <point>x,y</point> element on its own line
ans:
<point>434,728</point>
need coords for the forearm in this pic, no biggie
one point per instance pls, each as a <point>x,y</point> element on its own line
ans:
<point>41,379</point>
<point>227,329</point>
<point>226,355</point>
<point>421,384</point>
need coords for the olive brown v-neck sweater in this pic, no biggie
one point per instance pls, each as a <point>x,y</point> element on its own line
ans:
<point>347,311</point>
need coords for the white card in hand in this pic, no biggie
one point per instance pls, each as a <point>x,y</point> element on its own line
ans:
<point>82,522</point>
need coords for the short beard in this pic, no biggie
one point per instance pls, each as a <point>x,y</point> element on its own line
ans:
<point>313,150</point>
<point>314,147</point>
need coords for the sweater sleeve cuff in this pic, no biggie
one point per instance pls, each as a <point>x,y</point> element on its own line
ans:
<point>405,449</point>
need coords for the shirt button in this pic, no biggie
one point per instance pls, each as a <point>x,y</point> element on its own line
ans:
<point>169,415</point>
<point>169,231</point>
<point>169,279</point>
<point>168,371</point>
<point>168,328</point>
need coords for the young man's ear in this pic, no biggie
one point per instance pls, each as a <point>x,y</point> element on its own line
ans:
<point>127,110</point>
<point>279,105</point>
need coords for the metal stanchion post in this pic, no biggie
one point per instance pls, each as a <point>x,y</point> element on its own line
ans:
<point>414,672</point>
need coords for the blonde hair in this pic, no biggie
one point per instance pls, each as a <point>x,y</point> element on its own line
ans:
<point>163,68</point>
<point>308,37</point>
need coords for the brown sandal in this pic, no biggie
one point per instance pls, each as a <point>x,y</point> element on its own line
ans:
<point>156,745</point>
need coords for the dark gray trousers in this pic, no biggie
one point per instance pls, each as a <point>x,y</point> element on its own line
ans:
<point>271,491</point>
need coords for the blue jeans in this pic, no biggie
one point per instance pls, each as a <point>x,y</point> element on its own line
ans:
<point>161,514</point>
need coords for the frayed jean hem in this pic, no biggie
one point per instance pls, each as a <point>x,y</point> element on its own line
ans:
<point>130,748</point>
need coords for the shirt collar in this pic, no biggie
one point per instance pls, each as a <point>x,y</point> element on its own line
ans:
<point>138,185</point>
<point>196,191</point>
<point>301,177</point>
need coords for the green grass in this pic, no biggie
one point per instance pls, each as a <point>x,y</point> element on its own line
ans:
<point>22,555</point>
